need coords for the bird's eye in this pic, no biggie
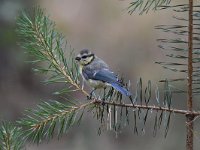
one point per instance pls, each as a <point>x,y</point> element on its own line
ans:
<point>84,57</point>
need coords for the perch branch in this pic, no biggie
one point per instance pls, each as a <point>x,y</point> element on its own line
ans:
<point>151,107</point>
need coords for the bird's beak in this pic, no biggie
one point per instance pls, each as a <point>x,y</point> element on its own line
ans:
<point>78,58</point>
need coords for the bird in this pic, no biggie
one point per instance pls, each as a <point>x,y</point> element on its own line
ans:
<point>97,73</point>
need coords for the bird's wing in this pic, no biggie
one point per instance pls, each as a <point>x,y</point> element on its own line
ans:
<point>107,76</point>
<point>104,75</point>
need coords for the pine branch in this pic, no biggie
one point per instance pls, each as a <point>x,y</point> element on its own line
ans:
<point>10,137</point>
<point>42,122</point>
<point>143,6</point>
<point>51,117</point>
<point>151,107</point>
<point>39,37</point>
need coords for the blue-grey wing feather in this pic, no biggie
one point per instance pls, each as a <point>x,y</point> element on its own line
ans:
<point>101,75</point>
<point>109,77</point>
<point>105,75</point>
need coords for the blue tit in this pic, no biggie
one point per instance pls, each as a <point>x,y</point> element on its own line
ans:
<point>97,73</point>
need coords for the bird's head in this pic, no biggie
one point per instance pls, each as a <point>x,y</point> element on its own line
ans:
<point>85,57</point>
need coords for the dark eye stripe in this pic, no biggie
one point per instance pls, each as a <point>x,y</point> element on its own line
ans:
<point>84,57</point>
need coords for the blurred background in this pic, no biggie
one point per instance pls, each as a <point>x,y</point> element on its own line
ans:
<point>126,42</point>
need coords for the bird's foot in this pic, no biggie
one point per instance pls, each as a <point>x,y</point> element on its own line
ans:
<point>89,97</point>
<point>103,102</point>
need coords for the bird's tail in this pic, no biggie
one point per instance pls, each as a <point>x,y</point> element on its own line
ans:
<point>121,89</point>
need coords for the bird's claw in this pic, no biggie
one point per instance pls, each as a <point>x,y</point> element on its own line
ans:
<point>103,102</point>
<point>89,97</point>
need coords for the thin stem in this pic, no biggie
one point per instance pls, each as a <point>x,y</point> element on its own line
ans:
<point>190,47</point>
<point>150,107</point>
<point>7,138</point>
<point>62,113</point>
<point>189,118</point>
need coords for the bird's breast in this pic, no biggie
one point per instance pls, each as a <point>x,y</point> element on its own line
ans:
<point>81,71</point>
<point>96,84</point>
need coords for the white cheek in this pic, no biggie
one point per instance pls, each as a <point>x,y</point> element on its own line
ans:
<point>83,62</point>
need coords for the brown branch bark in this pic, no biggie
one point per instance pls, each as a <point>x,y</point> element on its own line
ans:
<point>190,117</point>
<point>177,111</point>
